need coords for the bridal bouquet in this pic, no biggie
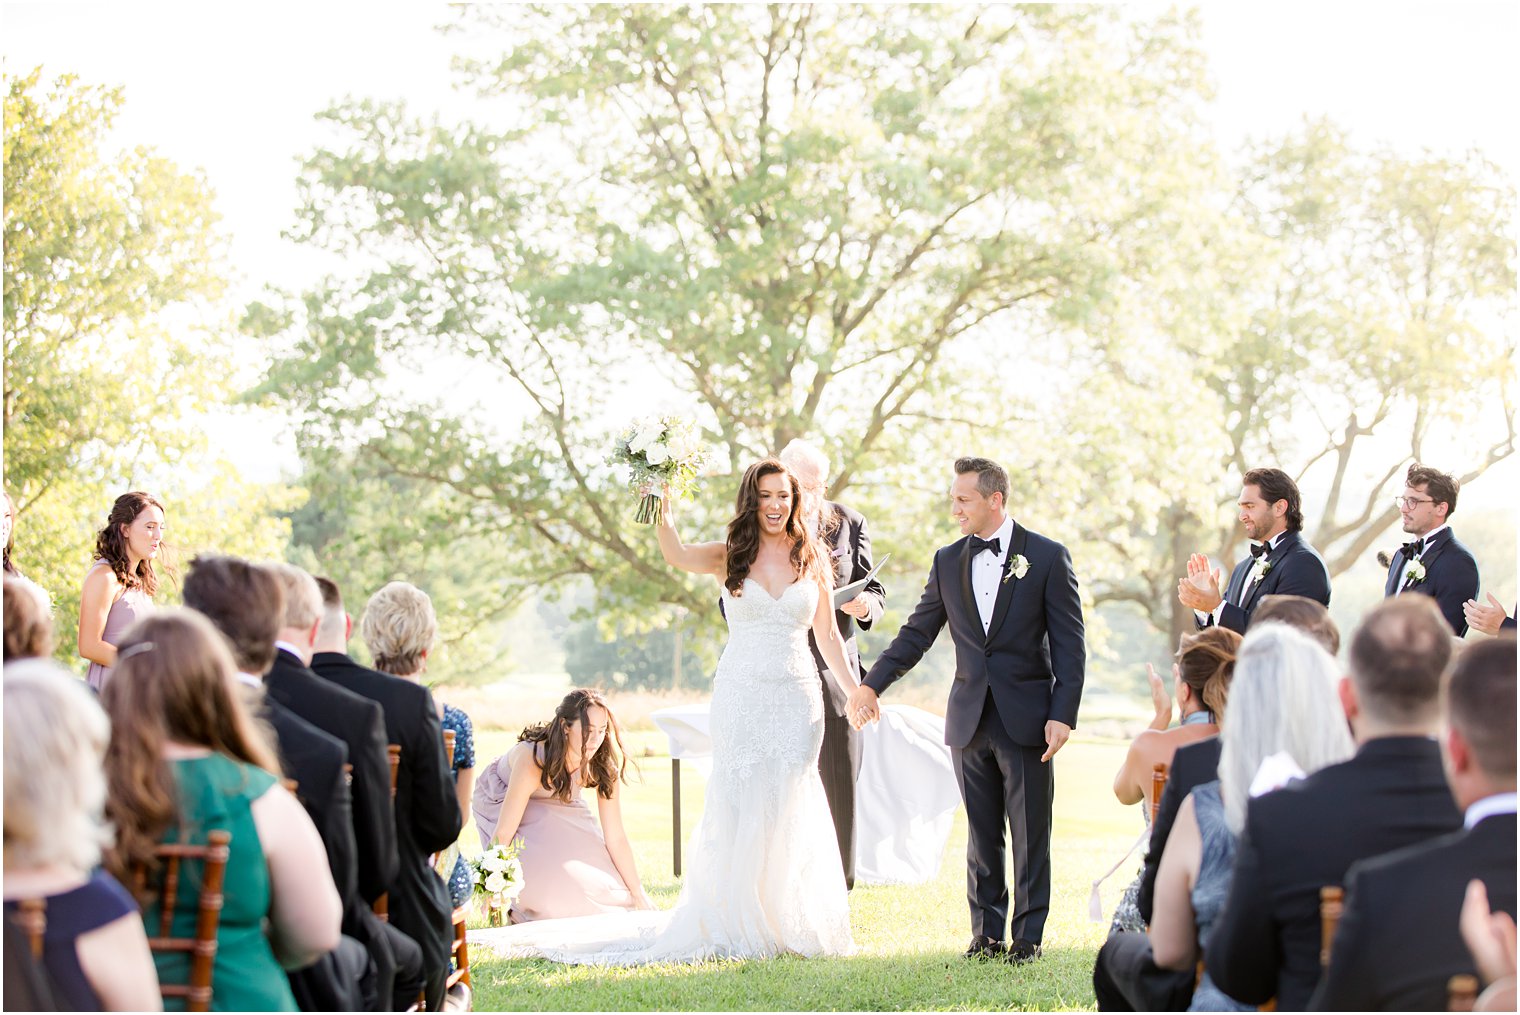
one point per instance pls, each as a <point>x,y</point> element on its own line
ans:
<point>660,452</point>
<point>497,874</point>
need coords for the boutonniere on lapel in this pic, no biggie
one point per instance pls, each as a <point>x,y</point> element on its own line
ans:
<point>1263,568</point>
<point>1018,567</point>
<point>1415,573</point>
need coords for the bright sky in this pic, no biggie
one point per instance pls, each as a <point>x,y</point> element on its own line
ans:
<point>232,89</point>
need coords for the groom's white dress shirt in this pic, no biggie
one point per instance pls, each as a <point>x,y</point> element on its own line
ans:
<point>987,570</point>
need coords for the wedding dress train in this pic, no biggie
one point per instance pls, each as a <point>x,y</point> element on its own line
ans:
<point>764,875</point>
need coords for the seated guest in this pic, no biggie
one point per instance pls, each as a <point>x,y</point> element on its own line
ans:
<point>246,603</point>
<point>185,758</point>
<point>1125,968</point>
<point>28,620</point>
<point>1399,939</point>
<point>534,793</point>
<point>457,721</point>
<point>399,627</point>
<point>120,585</point>
<point>94,947</point>
<point>1282,703</point>
<point>1391,794</point>
<point>1201,677</point>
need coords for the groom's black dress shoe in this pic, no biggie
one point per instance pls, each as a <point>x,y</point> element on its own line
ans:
<point>984,948</point>
<point>1022,951</point>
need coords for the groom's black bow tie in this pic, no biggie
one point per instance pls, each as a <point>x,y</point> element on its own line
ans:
<point>1412,549</point>
<point>978,544</point>
<point>1257,549</point>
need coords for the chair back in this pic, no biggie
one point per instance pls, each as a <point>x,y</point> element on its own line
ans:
<point>202,947</point>
<point>448,747</point>
<point>31,914</point>
<point>1158,784</point>
<point>1332,902</point>
<point>1461,992</point>
<point>382,904</point>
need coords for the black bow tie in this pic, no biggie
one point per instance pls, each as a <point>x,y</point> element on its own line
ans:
<point>1257,549</point>
<point>1412,549</point>
<point>978,544</point>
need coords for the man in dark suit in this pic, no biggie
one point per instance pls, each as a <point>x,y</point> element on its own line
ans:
<point>1125,975</point>
<point>246,603</point>
<point>426,808</point>
<point>1434,563</point>
<point>843,532</point>
<point>1009,597</point>
<point>1281,562</point>
<point>1398,941</point>
<point>360,724</point>
<point>1298,839</point>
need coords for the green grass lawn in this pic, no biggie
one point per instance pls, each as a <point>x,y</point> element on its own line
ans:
<point>910,936</point>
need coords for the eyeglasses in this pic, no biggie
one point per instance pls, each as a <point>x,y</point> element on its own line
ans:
<point>1408,503</point>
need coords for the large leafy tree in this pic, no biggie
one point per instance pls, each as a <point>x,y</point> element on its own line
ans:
<point>868,225</point>
<point>113,342</point>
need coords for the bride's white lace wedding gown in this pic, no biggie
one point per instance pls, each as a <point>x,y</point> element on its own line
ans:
<point>764,875</point>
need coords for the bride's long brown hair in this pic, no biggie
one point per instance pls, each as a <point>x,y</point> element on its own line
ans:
<point>744,530</point>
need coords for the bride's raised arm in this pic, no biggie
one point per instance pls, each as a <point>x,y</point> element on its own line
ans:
<point>698,558</point>
<point>830,644</point>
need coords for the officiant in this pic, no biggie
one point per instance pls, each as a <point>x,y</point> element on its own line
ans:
<point>843,533</point>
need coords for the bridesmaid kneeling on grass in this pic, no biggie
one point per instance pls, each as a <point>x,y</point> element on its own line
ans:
<point>534,792</point>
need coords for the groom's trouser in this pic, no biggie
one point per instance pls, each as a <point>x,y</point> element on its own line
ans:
<point>838,768</point>
<point>1005,785</point>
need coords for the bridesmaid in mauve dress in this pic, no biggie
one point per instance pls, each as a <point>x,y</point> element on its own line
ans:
<point>120,584</point>
<point>571,866</point>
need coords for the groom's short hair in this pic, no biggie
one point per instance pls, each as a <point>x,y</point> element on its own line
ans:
<point>991,477</point>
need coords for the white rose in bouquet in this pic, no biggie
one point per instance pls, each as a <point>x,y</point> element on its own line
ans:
<point>657,454</point>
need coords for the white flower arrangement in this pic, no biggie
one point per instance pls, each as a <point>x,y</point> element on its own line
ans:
<point>497,873</point>
<point>661,453</point>
<point>1018,567</point>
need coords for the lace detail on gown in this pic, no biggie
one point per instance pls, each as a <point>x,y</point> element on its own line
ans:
<point>764,876</point>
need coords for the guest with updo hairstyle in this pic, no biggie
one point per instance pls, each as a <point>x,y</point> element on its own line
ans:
<point>187,758</point>
<point>120,585</point>
<point>94,946</point>
<point>28,620</point>
<point>1201,676</point>
<point>571,867</point>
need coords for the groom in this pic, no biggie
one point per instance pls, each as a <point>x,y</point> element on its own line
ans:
<point>1010,599</point>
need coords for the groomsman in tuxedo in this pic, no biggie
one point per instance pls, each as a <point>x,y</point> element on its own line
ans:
<point>1281,561</point>
<point>246,603</point>
<point>843,533</point>
<point>1398,941</point>
<point>1390,794</point>
<point>426,808</point>
<point>1433,563</point>
<point>1009,597</point>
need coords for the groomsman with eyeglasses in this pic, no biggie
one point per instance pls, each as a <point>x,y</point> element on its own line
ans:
<point>1281,561</point>
<point>1433,563</point>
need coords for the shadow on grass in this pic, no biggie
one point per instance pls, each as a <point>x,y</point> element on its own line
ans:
<point>921,981</point>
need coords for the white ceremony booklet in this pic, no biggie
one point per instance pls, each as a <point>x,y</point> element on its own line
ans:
<point>845,593</point>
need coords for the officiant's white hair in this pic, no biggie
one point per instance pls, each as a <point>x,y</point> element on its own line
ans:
<point>1282,701</point>
<point>800,452</point>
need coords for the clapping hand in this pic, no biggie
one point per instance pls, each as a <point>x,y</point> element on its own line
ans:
<point>862,707</point>
<point>1484,618</point>
<point>1161,697</point>
<point>1490,936</point>
<point>1200,589</point>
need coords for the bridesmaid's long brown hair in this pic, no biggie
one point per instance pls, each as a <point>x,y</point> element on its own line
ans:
<point>744,530</point>
<point>602,770</point>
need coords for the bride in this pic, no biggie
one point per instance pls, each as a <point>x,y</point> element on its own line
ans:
<point>765,877</point>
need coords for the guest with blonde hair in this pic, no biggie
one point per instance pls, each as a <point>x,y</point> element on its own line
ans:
<point>95,949</point>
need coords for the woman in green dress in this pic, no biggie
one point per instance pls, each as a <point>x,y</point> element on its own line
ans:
<point>185,759</point>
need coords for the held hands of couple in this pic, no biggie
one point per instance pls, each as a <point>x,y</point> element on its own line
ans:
<point>1200,589</point>
<point>861,707</point>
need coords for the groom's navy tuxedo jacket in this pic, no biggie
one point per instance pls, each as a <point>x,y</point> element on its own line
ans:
<point>1297,570</point>
<point>1451,577</point>
<point>1032,657</point>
